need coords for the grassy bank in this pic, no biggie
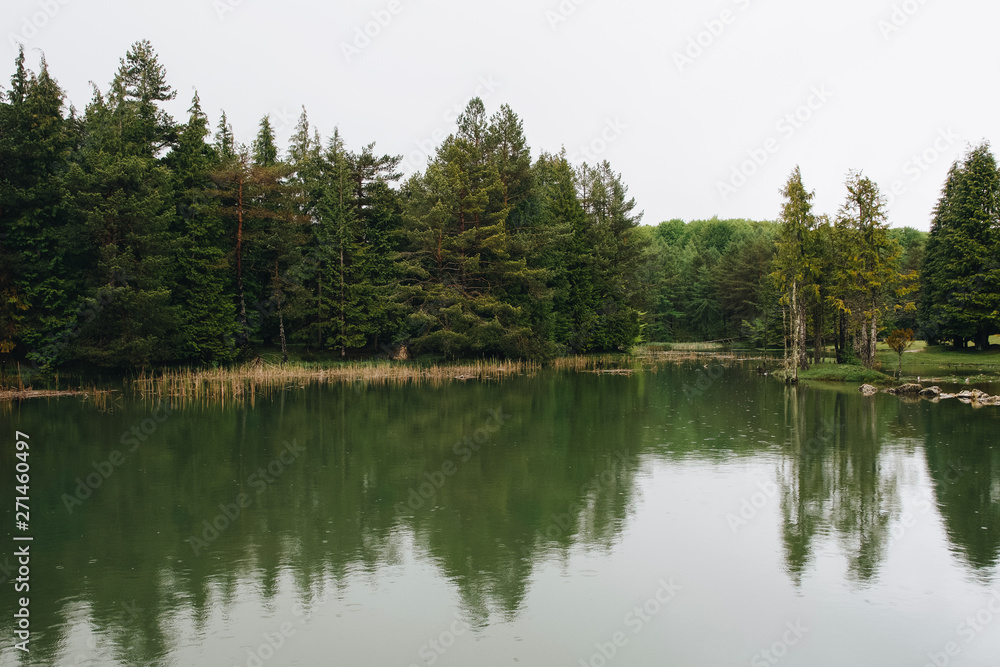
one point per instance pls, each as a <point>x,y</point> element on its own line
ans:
<point>844,373</point>
<point>921,354</point>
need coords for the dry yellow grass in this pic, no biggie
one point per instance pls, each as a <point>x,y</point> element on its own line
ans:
<point>244,382</point>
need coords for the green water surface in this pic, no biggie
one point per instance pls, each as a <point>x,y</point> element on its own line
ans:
<point>695,515</point>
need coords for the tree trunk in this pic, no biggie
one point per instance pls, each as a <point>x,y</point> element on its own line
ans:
<point>803,338</point>
<point>842,337</point>
<point>239,263</point>
<point>872,340</point>
<point>281,331</point>
<point>281,318</point>
<point>343,321</point>
<point>785,338</point>
<point>818,334</point>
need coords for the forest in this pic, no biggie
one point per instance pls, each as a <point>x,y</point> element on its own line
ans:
<point>131,240</point>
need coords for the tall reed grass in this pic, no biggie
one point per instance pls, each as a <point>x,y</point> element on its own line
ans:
<point>244,382</point>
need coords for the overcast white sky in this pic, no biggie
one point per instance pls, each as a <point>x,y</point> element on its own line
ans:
<point>703,106</point>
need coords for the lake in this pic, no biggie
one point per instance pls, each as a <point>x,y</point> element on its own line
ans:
<point>695,513</point>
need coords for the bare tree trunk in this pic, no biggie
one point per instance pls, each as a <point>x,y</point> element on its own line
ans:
<point>281,331</point>
<point>803,359</point>
<point>281,318</point>
<point>841,336</point>
<point>796,318</point>
<point>818,334</point>
<point>785,338</point>
<point>872,340</point>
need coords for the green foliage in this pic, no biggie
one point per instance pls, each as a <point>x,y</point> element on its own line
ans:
<point>203,279</point>
<point>960,288</point>
<point>39,250</point>
<point>711,279</point>
<point>898,341</point>
<point>868,285</point>
<point>128,239</point>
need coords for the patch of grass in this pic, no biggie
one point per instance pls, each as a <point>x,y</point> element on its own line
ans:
<point>844,373</point>
<point>698,347</point>
<point>942,356</point>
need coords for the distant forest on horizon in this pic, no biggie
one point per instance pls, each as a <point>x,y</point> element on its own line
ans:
<point>131,240</point>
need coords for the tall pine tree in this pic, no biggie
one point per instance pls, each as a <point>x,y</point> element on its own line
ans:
<point>960,281</point>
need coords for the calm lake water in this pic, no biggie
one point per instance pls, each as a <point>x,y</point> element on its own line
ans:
<point>689,516</point>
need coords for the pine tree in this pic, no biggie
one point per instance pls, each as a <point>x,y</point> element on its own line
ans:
<point>553,209</point>
<point>867,264</point>
<point>265,150</point>
<point>281,235</point>
<point>459,260</point>
<point>264,230</point>
<point>339,227</point>
<point>202,282</point>
<point>960,288</point>
<point>225,144</point>
<point>39,251</point>
<point>617,254</point>
<point>796,269</point>
<point>138,87</point>
<point>122,197</point>
<point>529,236</point>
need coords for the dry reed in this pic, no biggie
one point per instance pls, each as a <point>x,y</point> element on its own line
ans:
<point>243,383</point>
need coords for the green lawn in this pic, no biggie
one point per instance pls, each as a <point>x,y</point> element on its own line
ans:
<point>843,373</point>
<point>942,356</point>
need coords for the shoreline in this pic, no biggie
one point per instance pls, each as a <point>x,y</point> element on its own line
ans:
<point>260,376</point>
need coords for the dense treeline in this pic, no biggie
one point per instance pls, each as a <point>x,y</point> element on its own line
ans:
<point>847,280</point>
<point>129,239</point>
<point>718,279</point>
